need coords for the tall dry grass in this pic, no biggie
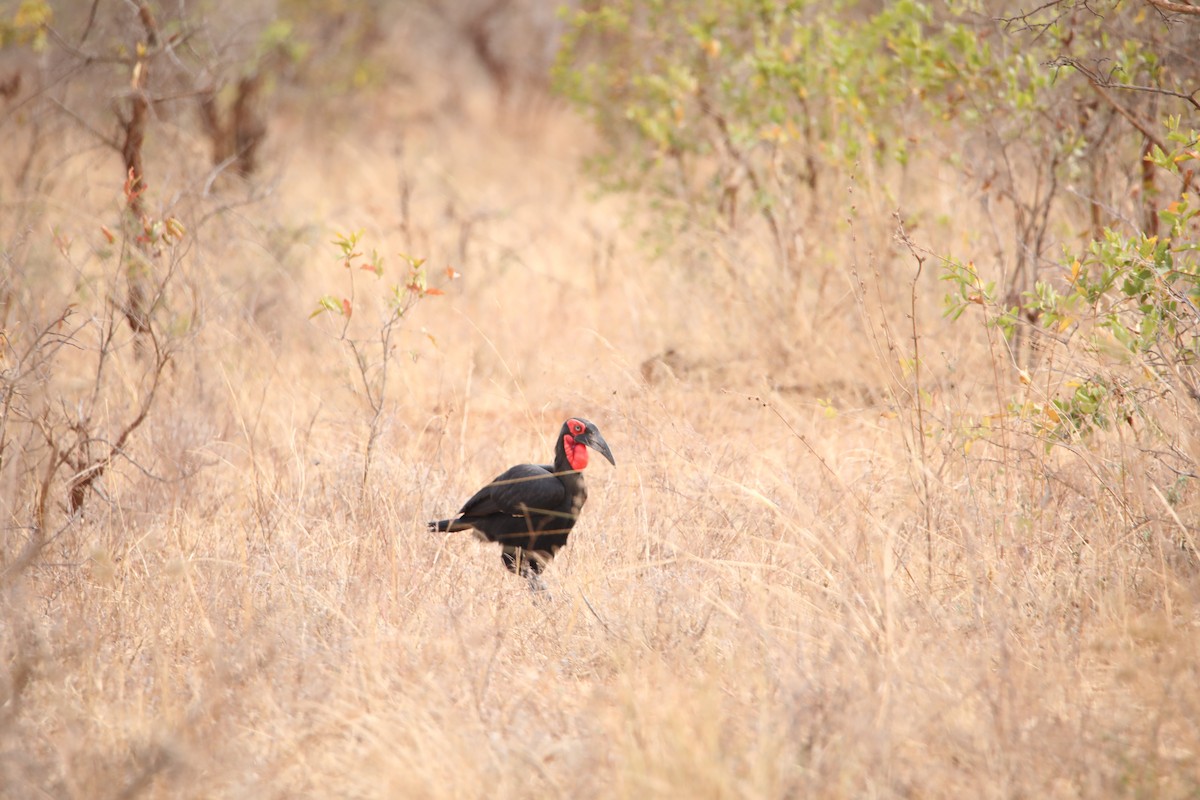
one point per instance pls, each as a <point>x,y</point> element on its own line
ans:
<point>782,590</point>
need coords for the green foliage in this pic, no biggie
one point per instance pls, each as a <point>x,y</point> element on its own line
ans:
<point>28,25</point>
<point>401,296</point>
<point>723,87</point>
<point>336,43</point>
<point>1087,407</point>
<point>280,38</point>
<point>727,109</point>
<point>1132,297</point>
<point>372,353</point>
<point>723,111</point>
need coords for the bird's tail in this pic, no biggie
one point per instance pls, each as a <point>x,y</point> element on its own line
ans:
<point>447,525</point>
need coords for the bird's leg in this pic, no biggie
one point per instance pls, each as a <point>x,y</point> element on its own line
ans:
<point>532,565</point>
<point>536,584</point>
<point>528,565</point>
<point>512,557</point>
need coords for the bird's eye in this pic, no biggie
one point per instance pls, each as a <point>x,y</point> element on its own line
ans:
<point>576,427</point>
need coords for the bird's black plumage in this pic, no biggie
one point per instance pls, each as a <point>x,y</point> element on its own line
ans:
<point>530,509</point>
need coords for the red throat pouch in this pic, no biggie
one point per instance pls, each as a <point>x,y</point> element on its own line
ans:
<point>577,453</point>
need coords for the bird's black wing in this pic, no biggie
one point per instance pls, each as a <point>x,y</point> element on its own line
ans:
<point>525,486</point>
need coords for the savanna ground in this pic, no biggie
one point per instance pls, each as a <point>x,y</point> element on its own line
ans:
<point>814,571</point>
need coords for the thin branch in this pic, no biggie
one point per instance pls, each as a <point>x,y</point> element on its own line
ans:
<point>903,238</point>
<point>146,16</point>
<point>94,469</point>
<point>91,21</point>
<point>84,56</point>
<point>743,160</point>
<point>83,123</point>
<point>1175,8</point>
<point>1096,80</point>
<point>1024,20</point>
<point>1132,118</point>
<point>33,546</point>
<point>1102,85</point>
<point>1129,87</point>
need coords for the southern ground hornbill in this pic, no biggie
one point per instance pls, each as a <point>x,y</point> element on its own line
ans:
<point>530,509</point>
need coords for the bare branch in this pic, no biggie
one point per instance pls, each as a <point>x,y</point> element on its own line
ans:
<point>148,24</point>
<point>91,21</point>
<point>82,55</point>
<point>1105,83</point>
<point>1102,85</point>
<point>1129,87</point>
<point>93,470</point>
<point>1132,118</point>
<point>83,123</point>
<point>1175,8</point>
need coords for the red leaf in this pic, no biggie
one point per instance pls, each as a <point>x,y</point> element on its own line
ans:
<point>434,291</point>
<point>346,309</point>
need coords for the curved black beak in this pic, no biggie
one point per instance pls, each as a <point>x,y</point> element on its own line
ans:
<point>592,438</point>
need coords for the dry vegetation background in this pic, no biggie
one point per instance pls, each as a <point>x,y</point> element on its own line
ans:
<point>783,589</point>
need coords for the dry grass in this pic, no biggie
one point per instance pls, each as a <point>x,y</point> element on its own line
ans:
<point>748,607</point>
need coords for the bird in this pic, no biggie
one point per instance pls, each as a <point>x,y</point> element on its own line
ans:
<point>530,509</point>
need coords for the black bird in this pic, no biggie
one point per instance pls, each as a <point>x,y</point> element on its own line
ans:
<point>530,508</point>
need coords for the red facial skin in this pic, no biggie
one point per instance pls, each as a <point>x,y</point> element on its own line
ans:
<point>577,453</point>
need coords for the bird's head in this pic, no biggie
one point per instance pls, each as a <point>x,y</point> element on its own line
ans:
<point>577,436</point>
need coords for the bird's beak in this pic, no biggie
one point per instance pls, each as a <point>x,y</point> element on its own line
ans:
<point>594,440</point>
